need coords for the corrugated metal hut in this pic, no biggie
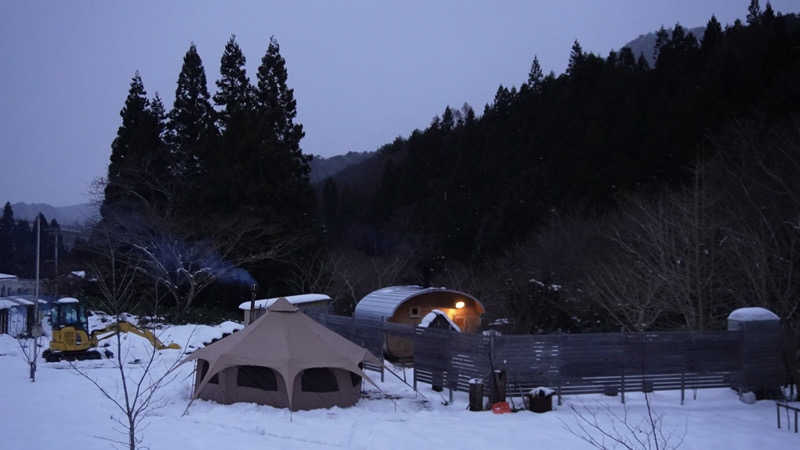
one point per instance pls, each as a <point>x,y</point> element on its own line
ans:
<point>409,304</point>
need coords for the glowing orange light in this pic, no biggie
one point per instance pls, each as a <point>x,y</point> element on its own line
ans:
<point>459,304</point>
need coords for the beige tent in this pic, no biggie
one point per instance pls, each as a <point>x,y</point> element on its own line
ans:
<point>284,351</point>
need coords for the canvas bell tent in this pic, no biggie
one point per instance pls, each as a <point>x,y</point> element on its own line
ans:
<point>283,359</point>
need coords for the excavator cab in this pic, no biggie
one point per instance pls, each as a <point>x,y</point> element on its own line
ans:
<point>71,338</point>
<point>69,315</point>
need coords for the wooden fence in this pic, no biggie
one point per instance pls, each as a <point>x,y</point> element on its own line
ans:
<point>747,359</point>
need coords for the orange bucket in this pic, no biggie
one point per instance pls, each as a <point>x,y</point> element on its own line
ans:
<point>501,408</point>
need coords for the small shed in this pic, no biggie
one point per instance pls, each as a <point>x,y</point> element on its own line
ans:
<point>16,314</point>
<point>8,284</point>
<point>409,304</point>
<point>304,302</point>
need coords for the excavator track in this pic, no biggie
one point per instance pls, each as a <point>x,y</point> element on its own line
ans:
<point>51,356</point>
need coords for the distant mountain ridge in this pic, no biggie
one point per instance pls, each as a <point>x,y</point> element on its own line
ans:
<point>74,215</point>
<point>646,43</point>
<point>71,215</point>
<point>322,167</point>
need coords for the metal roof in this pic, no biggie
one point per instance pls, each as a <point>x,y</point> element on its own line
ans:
<point>12,301</point>
<point>383,303</point>
<point>293,299</point>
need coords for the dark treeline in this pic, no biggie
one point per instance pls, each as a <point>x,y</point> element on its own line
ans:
<point>18,246</point>
<point>532,204</point>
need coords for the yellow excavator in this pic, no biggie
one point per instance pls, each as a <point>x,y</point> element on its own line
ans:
<point>72,340</point>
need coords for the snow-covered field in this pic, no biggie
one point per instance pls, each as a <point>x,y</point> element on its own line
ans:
<point>65,411</point>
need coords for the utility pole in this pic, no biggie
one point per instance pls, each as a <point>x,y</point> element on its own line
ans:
<point>36,330</point>
<point>55,272</point>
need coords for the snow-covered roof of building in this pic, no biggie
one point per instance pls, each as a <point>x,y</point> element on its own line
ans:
<point>752,314</point>
<point>78,273</point>
<point>12,301</point>
<point>6,303</point>
<point>25,300</point>
<point>7,276</point>
<point>431,316</point>
<point>293,299</point>
<point>68,300</point>
<point>383,303</point>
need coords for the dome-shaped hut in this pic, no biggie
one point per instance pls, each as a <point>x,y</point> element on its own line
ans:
<point>409,304</point>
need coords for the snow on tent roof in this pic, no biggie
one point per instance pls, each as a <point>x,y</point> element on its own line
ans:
<point>79,273</point>
<point>68,300</point>
<point>7,276</point>
<point>293,299</point>
<point>382,304</point>
<point>752,314</point>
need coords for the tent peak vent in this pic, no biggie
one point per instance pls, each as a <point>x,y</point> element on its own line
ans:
<point>282,305</point>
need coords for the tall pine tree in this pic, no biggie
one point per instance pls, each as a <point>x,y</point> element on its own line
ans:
<point>233,94</point>
<point>190,128</point>
<point>6,239</point>
<point>279,137</point>
<point>136,146</point>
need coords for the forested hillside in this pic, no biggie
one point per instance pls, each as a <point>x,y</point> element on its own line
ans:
<point>551,180</point>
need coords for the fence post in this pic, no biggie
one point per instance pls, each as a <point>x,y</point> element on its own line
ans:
<point>559,363</point>
<point>683,375</point>
<point>383,358</point>
<point>622,368</point>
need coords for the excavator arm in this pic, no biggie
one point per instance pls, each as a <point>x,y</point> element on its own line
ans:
<point>126,327</point>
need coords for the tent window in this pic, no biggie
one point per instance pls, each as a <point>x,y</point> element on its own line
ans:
<point>319,379</point>
<point>257,377</point>
<point>356,379</point>
<point>203,368</point>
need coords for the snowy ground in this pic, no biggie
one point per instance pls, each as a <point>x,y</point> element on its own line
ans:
<point>64,410</point>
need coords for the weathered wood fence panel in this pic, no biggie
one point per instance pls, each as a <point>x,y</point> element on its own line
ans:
<point>581,363</point>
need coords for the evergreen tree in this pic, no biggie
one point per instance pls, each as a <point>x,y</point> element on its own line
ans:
<point>139,159</point>
<point>6,239</point>
<point>190,129</point>
<point>768,15</point>
<point>535,75</point>
<point>233,88</point>
<point>448,120</point>
<point>712,37</point>
<point>275,102</point>
<point>576,57</point>
<point>662,37</point>
<point>279,137</point>
<point>753,13</point>
<point>159,116</point>
<point>127,146</point>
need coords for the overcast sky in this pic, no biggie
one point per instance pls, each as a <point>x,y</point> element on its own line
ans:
<point>363,72</point>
